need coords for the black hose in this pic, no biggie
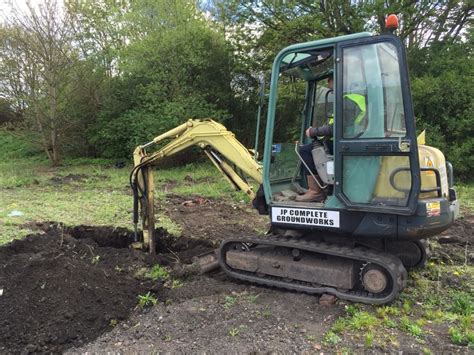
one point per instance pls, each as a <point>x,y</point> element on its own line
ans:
<point>137,191</point>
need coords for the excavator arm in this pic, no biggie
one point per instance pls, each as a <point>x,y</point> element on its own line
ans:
<point>220,146</point>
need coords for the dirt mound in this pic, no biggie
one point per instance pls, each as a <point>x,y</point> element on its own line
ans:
<point>65,286</point>
<point>78,178</point>
<point>195,214</point>
<point>456,243</point>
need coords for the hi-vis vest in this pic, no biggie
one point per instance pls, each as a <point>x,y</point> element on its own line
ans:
<point>359,101</point>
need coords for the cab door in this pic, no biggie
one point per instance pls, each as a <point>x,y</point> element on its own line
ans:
<point>376,153</point>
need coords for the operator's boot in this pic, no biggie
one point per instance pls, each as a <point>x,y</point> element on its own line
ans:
<point>314,193</point>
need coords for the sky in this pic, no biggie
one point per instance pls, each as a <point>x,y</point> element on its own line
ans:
<point>6,7</point>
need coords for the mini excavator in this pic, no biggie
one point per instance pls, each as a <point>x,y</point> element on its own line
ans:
<point>387,192</point>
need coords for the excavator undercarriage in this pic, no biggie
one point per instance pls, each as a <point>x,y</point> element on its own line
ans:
<point>352,273</point>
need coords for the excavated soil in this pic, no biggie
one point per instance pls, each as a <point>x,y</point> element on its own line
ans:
<point>65,286</point>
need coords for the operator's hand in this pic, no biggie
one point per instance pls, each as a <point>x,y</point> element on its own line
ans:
<point>308,132</point>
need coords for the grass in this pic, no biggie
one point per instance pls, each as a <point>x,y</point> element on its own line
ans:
<point>97,193</point>
<point>466,195</point>
<point>429,303</point>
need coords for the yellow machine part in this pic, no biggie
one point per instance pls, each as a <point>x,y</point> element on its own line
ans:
<point>429,157</point>
<point>207,134</point>
<point>218,144</point>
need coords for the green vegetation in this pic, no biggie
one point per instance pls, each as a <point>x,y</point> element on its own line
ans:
<point>331,338</point>
<point>466,195</point>
<point>88,192</point>
<point>146,300</point>
<point>116,75</point>
<point>157,273</point>
<point>429,303</point>
<point>229,301</point>
<point>233,332</point>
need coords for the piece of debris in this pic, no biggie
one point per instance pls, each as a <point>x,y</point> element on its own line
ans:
<point>327,300</point>
<point>196,201</point>
<point>1,291</point>
<point>448,239</point>
<point>15,213</point>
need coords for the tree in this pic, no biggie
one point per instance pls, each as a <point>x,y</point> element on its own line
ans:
<point>174,67</point>
<point>37,48</point>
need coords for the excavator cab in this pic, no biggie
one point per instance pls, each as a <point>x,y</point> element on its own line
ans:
<point>370,168</point>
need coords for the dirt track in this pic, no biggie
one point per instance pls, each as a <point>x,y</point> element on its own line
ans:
<point>76,289</point>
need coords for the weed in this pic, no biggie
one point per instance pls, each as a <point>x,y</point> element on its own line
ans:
<point>267,313</point>
<point>463,334</point>
<point>411,328</point>
<point>389,323</point>
<point>457,336</point>
<point>393,311</point>
<point>95,259</point>
<point>113,322</point>
<point>167,338</point>
<point>362,320</point>
<point>433,315</point>
<point>331,338</point>
<point>252,298</point>
<point>176,283</point>
<point>146,300</point>
<point>339,326</point>
<point>406,307</point>
<point>233,332</point>
<point>369,340</point>
<point>462,303</point>
<point>157,273</point>
<point>426,351</point>
<point>466,322</point>
<point>420,322</point>
<point>352,309</point>
<point>310,338</point>
<point>229,301</point>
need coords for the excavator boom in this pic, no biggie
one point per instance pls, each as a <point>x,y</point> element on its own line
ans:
<point>219,145</point>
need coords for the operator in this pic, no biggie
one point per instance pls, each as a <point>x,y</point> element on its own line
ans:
<point>355,120</point>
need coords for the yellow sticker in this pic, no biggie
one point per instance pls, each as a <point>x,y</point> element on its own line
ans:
<point>433,209</point>
<point>428,162</point>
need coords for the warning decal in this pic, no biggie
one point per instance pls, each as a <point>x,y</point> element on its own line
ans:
<point>433,209</point>
<point>305,216</point>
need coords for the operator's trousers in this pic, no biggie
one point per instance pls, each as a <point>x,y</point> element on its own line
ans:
<point>307,156</point>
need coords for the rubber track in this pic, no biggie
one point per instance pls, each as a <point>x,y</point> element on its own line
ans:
<point>390,263</point>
